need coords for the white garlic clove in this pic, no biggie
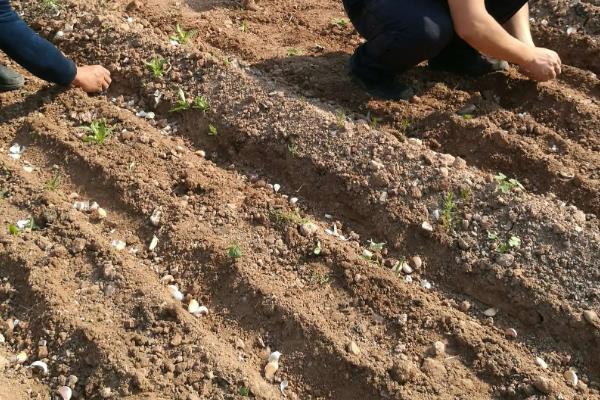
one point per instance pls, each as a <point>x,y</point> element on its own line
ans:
<point>175,293</point>
<point>65,392</point>
<point>153,243</point>
<point>42,366</point>
<point>490,312</point>
<point>540,361</point>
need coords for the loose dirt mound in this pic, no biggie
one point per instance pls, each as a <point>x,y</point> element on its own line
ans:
<point>373,244</point>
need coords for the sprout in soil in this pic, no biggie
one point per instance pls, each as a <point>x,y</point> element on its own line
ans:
<point>404,125</point>
<point>373,120</point>
<point>182,36</point>
<point>283,219</point>
<point>54,183</point>
<point>293,149</point>
<point>465,194</point>
<point>514,242</point>
<point>156,66</point>
<point>13,229</point>
<point>3,194</point>
<point>98,131</point>
<point>340,117</point>
<point>468,116</point>
<point>244,26</point>
<point>341,22</point>
<point>291,52</point>
<point>374,246</point>
<point>244,391</point>
<point>448,211</point>
<point>201,103</point>
<point>51,3</point>
<point>234,251</point>
<point>506,185</point>
<point>212,130</point>
<point>181,104</point>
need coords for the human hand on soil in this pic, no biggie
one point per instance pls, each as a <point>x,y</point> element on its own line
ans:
<point>92,78</point>
<point>542,65</point>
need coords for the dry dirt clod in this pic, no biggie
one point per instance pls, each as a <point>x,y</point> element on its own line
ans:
<point>353,348</point>
<point>591,317</point>
<point>403,371</point>
<point>465,306</point>
<point>416,262</point>
<point>544,385</point>
<point>308,229</point>
<point>272,365</point>
<point>505,260</point>
<point>438,349</point>
<point>571,378</point>
<point>250,5</point>
<point>434,368</point>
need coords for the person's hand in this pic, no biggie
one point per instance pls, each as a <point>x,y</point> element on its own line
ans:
<point>92,78</point>
<point>542,65</point>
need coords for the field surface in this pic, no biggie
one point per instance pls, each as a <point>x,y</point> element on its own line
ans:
<point>442,248</point>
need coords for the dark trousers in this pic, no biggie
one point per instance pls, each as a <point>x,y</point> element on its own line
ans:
<point>402,33</point>
<point>34,53</point>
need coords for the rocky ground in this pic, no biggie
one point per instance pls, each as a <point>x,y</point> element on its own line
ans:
<point>253,225</point>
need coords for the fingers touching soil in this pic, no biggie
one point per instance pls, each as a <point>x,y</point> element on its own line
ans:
<point>347,326</point>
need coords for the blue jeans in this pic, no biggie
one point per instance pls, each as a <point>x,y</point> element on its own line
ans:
<point>403,33</point>
<point>32,52</point>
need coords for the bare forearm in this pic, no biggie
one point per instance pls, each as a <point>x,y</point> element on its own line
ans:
<point>489,37</point>
<point>518,26</point>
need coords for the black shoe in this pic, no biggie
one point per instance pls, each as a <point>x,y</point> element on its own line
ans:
<point>468,64</point>
<point>9,79</point>
<point>382,88</point>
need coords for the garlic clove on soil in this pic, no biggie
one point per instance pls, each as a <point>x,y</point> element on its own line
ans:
<point>282,386</point>
<point>65,392</point>
<point>155,217</point>
<point>540,362</point>
<point>272,365</point>
<point>195,308</point>
<point>571,378</point>
<point>118,244</point>
<point>175,293</point>
<point>42,366</point>
<point>153,243</point>
<point>490,312</point>
<point>21,357</point>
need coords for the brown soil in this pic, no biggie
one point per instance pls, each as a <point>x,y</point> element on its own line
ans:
<point>348,326</point>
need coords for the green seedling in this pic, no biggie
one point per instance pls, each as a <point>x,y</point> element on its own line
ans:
<point>291,52</point>
<point>468,116</point>
<point>244,391</point>
<point>283,218</point>
<point>181,104</point>
<point>448,212</point>
<point>492,236</point>
<point>244,26</point>
<point>156,66</point>
<point>373,120</point>
<point>54,183</point>
<point>212,130</point>
<point>514,242</point>
<point>397,267</point>
<point>98,131</point>
<point>51,3</point>
<point>13,229</point>
<point>322,279</point>
<point>374,246</point>
<point>506,185</point>
<point>465,194</point>
<point>200,103</point>
<point>404,125</point>
<point>182,36</point>
<point>234,251</point>
<point>340,117</point>
<point>341,22</point>
<point>3,194</point>
<point>226,61</point>
<point>293,149</point>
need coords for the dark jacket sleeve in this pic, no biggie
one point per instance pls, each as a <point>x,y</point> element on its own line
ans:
<point>32,52</point>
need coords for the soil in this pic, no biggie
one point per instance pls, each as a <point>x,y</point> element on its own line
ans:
<point>372,243</point>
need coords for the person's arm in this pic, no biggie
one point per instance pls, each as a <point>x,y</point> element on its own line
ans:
<point>42,58</point>
<point>477,27</point>
<point>518,26</point>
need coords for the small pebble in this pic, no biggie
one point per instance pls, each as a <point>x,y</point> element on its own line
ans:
<point>416,262</point>
<point>544,385</point>
<point>353,348</point>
